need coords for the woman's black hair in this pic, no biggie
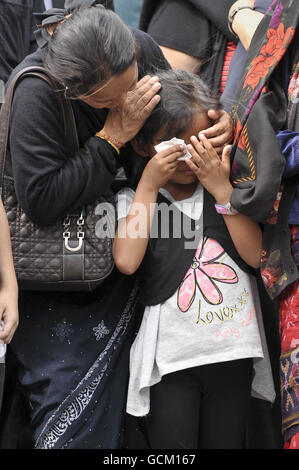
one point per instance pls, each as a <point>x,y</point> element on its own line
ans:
<point>89,48</point>
<point>182,94</point>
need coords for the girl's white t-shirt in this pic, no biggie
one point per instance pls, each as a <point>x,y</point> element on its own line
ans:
<point>214,316</point>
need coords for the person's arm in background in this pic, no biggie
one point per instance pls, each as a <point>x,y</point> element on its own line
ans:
<point>8,285</point>
<point>175,26</point>
<point>239,57</point>
<point>245,21</point>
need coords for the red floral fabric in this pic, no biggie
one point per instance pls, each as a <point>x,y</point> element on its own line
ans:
<point>270,54</point>
<point>293,443</point>
<point>289,317</point>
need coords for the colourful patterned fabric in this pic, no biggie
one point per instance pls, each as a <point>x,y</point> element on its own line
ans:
<point>267,103</point>
<point>293,443</point>
<point>290,393</point>
<point>289,143</point>
<point>259,100</point>
<point>295,243</point>
<point>289,318</point>
<point>274,266</point>
<point>261,112</point>
<point>289,361</point>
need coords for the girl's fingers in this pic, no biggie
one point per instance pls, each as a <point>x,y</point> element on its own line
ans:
<point>192,166</point>
<point>200,149</point>
<point>211,152</point>
<point>174,157</point>
<point>226,156</point>
<point>172,153</point>
<point>197,162</point>
<point>207,144</point>
<point>170,163</point>
<point>197,159</point>
<point>172,167</point>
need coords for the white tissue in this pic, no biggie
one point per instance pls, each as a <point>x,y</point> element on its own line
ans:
<point>170,143</point>
<point>2,345</point>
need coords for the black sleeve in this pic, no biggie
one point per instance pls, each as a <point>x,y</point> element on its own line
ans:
<point>147,10</point>
<point>151,57</point>
<point>176,24</point>
<point>49,181</point>
<point>216,12</point>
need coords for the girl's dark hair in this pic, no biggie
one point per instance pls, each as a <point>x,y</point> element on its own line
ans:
<point>182,94</point>
<point>89,48</point>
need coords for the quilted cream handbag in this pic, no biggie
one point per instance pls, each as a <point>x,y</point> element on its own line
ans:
<point>69,255</point>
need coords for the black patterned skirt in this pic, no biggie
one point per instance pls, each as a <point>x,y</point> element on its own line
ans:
<point>73,355</point>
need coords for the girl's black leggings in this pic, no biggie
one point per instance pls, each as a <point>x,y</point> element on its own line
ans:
<point>203,407</point>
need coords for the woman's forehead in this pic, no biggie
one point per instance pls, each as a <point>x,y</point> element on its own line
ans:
<point>115,85</point>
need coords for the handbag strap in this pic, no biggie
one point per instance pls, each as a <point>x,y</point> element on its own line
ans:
<point>67,112</point>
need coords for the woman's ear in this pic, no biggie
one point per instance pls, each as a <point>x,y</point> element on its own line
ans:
<point>141,149</point>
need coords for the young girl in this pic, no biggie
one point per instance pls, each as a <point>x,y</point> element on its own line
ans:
<point>191,364</point>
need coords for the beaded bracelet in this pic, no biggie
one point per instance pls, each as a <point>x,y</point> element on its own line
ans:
<point>113,142</point>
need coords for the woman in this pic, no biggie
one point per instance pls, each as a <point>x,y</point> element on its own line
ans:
<point>73,348</point>
<point>65,337</point>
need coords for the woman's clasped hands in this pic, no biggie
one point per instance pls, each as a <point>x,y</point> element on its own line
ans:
<point>125,120</point>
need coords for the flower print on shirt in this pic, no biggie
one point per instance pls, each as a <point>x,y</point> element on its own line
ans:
<point>204,271</point>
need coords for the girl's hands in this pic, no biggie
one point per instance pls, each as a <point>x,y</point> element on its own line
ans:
<point>9,313</point>
<point>124,121</point>
<point>161,167</point>
<point>211,170</point>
